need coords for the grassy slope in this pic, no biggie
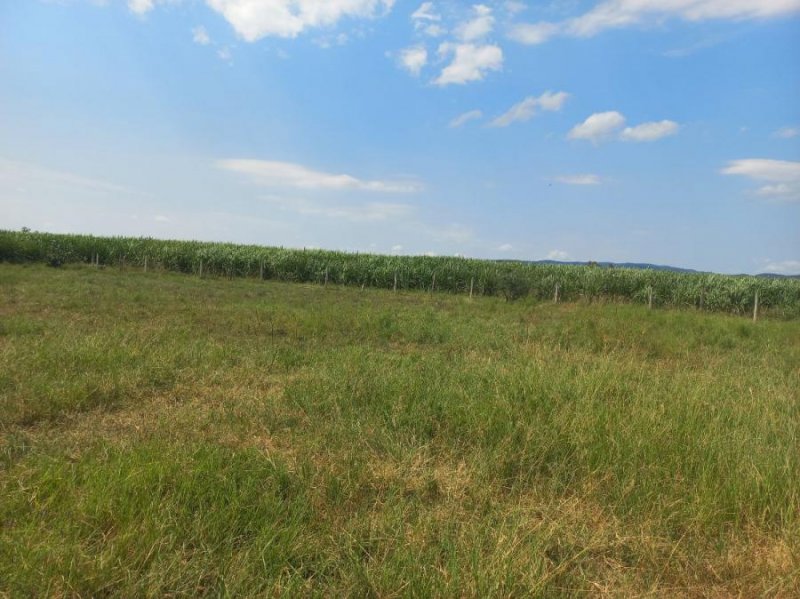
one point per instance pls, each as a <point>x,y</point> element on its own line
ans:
<point>163,435</point>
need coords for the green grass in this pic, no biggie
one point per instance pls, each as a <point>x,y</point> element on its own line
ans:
<point>162,435</point>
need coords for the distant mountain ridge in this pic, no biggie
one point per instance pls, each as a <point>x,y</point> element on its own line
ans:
<point>646,266</point>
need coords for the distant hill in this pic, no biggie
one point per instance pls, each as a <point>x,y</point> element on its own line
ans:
<point>646,266</point>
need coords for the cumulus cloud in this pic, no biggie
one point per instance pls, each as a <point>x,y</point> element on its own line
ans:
<point>463,119</point>
<point>526,109</point>
<point>603,126</point>
<point>287,174</point>
<point>583,179</point>
<point>598,127</point>
<point>470,62</point>
<point>477,27</point>
<point>255,19</point>
<point>414,59</point>
<point>200,36</point>
<point>649,131</point>
<point>613,14</point>
<point>782,177</point>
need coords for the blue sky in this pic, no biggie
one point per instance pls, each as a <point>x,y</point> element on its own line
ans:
<point>663,131</point>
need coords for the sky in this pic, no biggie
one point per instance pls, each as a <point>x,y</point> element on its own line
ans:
<point>660,131</point>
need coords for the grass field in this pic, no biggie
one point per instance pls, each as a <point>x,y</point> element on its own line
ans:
<point>163,435</point>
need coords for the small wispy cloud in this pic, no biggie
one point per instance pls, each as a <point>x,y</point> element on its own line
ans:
<point>560,255</point>
<point>366,212</point>
<point>526,109</point>
<point>271,173</point>
<point>413,59</point>
<point>464,118</point>
<point>478,27</point>
<point>787,132</point>
<point>598,127</point>
<point>784,267</point>
<point>604,126</point>
<point>200,36</point>
<point>618,14</point>
<point>584,179</point>
<point>470,62</point>
<point>782,177</point>
<point>649,131</point>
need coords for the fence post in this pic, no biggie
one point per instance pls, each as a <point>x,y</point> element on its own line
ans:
<point>755,308</point>
<point>145,264</point>
<point>555,293</point>
<point>326,277</point>
<point>471,285</point>
<point>433,283</point>
<point>650,298</point>
<point>394,288</point>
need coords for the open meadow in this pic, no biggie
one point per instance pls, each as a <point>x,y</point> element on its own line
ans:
<point>163,434</point>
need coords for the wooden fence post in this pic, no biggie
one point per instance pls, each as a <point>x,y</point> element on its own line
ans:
<point>650,298</point>
<point>471,285</point>
<point>755,308</point>
<point>394,288</point>
<point>433,283</point>
<point>145,264</point>
<point>556,293</point>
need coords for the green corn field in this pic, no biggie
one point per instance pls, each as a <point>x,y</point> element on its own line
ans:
<point>713,292</point>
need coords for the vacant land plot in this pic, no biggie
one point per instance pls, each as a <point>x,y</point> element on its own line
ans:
<point>162,435</point>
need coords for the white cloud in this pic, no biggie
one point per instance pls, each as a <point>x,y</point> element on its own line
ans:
<point>464,118</point>
<point>160,218</point>
<point>427,20</point>
<point>599,126</point>
<point>140,6</point>
<point>785,267</point>
<point>470,62</point>
<point>787,132</point>
<point>200,36</point>
<point>478,27</point>
<point>514,7</point>
<point>553,101</point>
<point>287,174</point>
<point>649,131</point>
<point>367,212</point>
<point>255,19</point>
<point>21,175</point>
<point>526,109</point>
<point>225,54</point>
<point>584,179</point>
<point>782,177</point>
<point>397,248</point>
<point>557,255</point>
<point>506,247</point>
<point>533,33</point>
<point>413,59</point>
<point>613,14</point>
<point>425,12</point>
